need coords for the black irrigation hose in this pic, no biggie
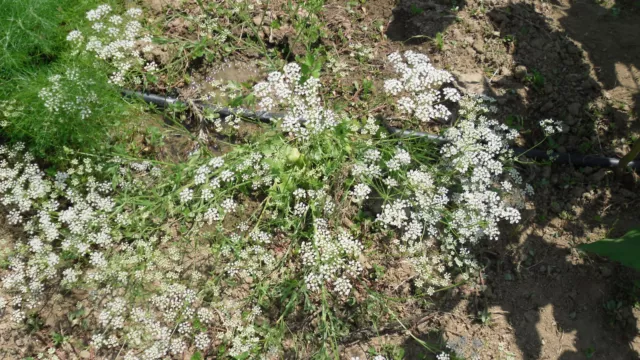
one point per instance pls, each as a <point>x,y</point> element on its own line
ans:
<point>558,158</point>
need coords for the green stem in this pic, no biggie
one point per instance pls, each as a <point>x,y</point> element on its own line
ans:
<point>632,154</point>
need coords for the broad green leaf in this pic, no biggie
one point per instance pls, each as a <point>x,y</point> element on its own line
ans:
<point>625,250</point>
<point>196,356</point>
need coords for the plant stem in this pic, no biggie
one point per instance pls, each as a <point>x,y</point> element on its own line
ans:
<point>632,154</point>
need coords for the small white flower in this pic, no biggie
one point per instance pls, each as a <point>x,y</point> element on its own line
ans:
<point>186,195</point>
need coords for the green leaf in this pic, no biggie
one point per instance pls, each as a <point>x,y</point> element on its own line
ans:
<point>625,250</point>
<point>243,356</point>
<point>196,356</point>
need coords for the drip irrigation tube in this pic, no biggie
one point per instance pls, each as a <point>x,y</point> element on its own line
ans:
<point>263,116</point>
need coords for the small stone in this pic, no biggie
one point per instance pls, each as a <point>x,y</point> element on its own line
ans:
<point>85,354</point>
<point>520,72</point>
<point>542,268</point>
<point>570,120</point>
<point>257,20</point>
<point>456,34</point>
<point>19,342</point>
<point>478,45</point>
<point>497,16</point>
<point>574,109</point>
<point>470,78</point>
<point>505,71</point>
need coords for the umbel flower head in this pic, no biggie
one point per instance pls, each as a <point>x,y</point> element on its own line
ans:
<point>419,87</point>
<point>300,99</point>
<point>117,39</point>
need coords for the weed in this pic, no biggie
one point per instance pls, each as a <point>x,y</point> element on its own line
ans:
<point>415,10</point>
<point>536,79</point>
<point>58,339</point>
<point>439,41</point>
<point>590,352</point>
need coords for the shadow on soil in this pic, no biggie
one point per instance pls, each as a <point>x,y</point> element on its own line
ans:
<point>418,21</point>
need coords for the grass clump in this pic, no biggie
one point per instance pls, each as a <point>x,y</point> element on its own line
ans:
<point>33,32</point>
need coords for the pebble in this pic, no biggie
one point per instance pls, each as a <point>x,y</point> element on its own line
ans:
<point>85,354</point>
<point>470,78</point>
<point>520,72</point>
<point>478,45</point>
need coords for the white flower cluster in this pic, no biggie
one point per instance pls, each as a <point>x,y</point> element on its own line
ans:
<point>458,200</point>
<point>80,235</point>
<point>331,259</point>
<point>78,230</point>
<point>419,87</point>
<point>118,40</point>
<point>318,199</point>
<point>304,112</point>
<point>210,177</point>
<point>238,326</point>
<point>156,331</point>
<point>550,126</point>
<point>249,258</point>
<point>9,109</point>
<point>360,193</point>
<point>59,100</point>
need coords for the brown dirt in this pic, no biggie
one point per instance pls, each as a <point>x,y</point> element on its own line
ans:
<point>546,300</point>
